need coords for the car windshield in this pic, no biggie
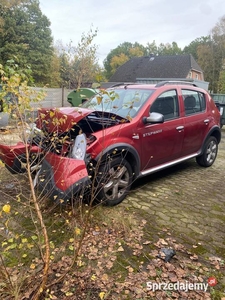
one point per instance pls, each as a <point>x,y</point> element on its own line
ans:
<point>123,102</point>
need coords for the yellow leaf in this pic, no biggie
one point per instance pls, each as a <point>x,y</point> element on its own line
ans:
<point>6,208</point>
<point>42,115</point>
<point>101,295</point>
<point>93,277</point>
<point>77,231</point>
<point>32,266</point>
<point>30,246</point>
<point>80,263</point>
<point>6,223</point>
<point>99,99</point>
<point>51,114</point>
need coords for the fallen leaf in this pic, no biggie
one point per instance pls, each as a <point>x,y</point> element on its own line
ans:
<point>77,231</point>
<point>101,295</point>
<point>6,208</point>
<point>194,257</point>
<point>93,277</point>
<point>105,277</point>
<point>146,243</point>
<point>32,266</point>
<point>120,249</point>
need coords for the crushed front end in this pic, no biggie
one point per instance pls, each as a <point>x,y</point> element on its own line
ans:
<point>59,143</point>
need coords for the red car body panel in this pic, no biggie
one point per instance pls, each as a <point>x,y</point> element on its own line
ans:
<point>62,178</point>
<point>67,171</point>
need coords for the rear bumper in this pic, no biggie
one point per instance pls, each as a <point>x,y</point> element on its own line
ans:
<point>62,178</point>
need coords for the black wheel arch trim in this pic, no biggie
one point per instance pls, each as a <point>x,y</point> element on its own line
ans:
<point>214,131</point>
<point>127,151</point>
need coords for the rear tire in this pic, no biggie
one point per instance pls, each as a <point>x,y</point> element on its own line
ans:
<point>113,181</point>
<point>207,158</point>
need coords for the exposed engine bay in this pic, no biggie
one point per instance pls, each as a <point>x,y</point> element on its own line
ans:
<point>60,142</point>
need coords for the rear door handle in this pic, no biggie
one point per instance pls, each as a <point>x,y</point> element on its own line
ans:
<point>206,121</point>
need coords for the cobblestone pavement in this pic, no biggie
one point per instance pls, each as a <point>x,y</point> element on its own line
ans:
<point>188,200</point>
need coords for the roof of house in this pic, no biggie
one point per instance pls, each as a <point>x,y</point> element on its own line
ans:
<point>162,66</point>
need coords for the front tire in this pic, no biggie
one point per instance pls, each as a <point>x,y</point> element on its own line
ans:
<point>207,158</point>
<point>113,181</point>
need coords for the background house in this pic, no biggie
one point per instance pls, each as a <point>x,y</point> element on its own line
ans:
<point>152,69</point>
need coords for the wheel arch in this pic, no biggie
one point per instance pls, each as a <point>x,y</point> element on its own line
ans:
<point>127,151</point>
<point>216,132</point>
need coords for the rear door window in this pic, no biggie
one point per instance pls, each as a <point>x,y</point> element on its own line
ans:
<point>194,102</point>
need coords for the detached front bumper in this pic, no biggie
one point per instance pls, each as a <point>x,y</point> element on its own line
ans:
<point>62,178</point>
<point>15,156</point>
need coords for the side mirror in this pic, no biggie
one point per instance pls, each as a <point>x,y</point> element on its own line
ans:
<point>154,118</point>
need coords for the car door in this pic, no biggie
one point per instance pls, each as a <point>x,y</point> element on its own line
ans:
<point>162,143</point>
<point>195,120</point>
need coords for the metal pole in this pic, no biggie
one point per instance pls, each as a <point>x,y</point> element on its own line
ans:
<point>63,95</point>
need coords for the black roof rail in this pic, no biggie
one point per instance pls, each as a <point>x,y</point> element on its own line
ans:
<point>161,83</point>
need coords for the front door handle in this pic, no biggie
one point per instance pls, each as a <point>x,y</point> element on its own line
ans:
<point>179,128</point>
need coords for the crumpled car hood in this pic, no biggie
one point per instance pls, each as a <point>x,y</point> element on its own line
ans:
<point>60,119</point>
<point>63,119</point>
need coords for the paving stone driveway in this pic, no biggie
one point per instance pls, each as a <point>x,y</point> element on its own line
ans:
<point>188,200</point>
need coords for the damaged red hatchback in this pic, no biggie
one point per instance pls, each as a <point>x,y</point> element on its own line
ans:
<point>128,131</point>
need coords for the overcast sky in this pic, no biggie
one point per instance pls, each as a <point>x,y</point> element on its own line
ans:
<point>142,21</point>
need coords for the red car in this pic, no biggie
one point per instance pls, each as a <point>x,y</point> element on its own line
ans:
<point>127,132</point>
